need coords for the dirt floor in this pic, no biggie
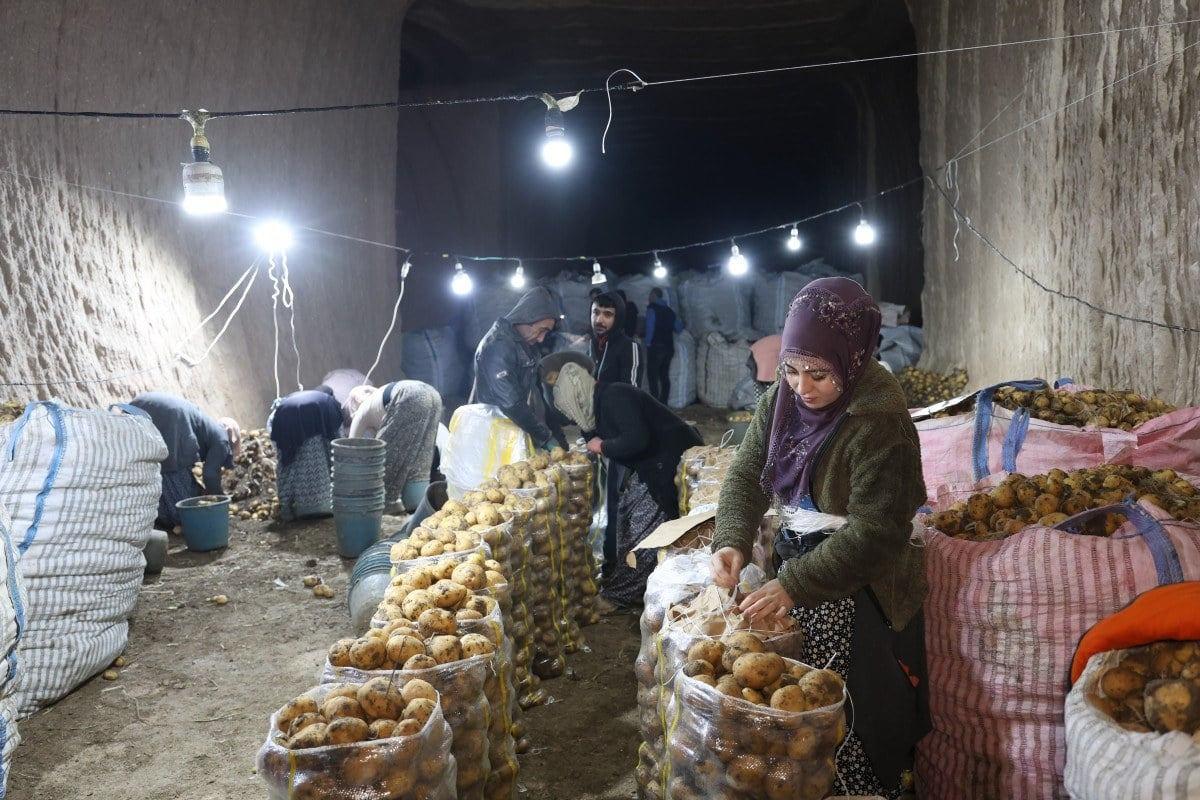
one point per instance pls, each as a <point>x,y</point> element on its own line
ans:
<point>189,710</point>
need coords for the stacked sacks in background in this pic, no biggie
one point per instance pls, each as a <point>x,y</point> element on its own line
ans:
<point>721,364</point>
<point>715,303</point>
<point>80,540</point>
<point>433,356</point>
<point>1028,426</point>
<point>1019,603</point>
<point>683,371</point>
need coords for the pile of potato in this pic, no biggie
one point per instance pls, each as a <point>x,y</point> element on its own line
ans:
<point>1087,408</point>
<point>1048,500</point>
<point>1154,689</point>
<point>250,484</point>
<point>383,739</point>
<point>924,388</point>
<point>10,411</point>
<point>752,724</point>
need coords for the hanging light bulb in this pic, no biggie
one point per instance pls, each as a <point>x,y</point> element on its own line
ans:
<point>598,276</point>
<point>461,284</point>
<point>864,233</point>
<point>794,243</point>
<point>273,236</point>
<point>203,183</point>
<point>737,264</point>
<point>660,269</point>
<point>517,281</point>
<point>557,151</point>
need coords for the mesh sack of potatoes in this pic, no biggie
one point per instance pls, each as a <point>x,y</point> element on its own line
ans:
<point>460,683</point>
<point>576,520</point>
<point>384,739</point>
<point>707,615</point>
<point>1133,725</point>
<point>438,535</point>
<point>458,596</point>
<point>680,576</point>
<point>519,512</point>
<point>1017,502</point>
<point>768,727</point>
<point>541,575</point>
<point>572,639</point>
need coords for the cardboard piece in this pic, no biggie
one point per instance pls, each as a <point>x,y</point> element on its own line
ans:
<point>668,533</point>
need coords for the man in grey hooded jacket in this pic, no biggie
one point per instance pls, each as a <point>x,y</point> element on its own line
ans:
<point>506,364</point>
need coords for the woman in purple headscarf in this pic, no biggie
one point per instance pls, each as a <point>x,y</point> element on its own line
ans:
<point>833,447</point>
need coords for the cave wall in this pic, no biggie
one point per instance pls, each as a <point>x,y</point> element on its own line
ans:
<point>96,284</point>
<point>1096,202</point>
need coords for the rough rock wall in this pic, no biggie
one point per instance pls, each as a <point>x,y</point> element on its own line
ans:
<point>95,284</point>
<point>1096,202</point>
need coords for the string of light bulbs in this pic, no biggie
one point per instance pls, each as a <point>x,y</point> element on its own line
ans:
<point>864,234</point>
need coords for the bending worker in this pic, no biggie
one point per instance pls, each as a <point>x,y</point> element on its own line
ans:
<point>405,415</point>
<point>191,436</point>
<point>506,365</point>
<point>303,425</point>
<point>629,427</point>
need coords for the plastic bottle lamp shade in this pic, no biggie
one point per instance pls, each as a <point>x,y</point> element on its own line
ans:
<point>660,269</point>
<point>793,241</point>
<point>517,281</point>
<point>203,183</point>
<point>864,234</point>
<point>557,151</point>
<point>598,276</point>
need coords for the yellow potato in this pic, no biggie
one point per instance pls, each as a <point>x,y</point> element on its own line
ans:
<point>445,649</point>
<point>312,736</point>
<point>368,654</point>
<point>403,647</point>
<point>339,653</point>
<point>436,621</point>
<point>448,594</point>
<point>758,670</point>
<point>335,707</point>
<point>420,710</point>
<point>420,662</point>
<point>475,644</point>
<point>417,688</point>
<point>347,730</point>
<point>380,698</point>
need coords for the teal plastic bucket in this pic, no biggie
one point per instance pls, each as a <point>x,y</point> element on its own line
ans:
<point>205,522</point>
<point>356,532</point>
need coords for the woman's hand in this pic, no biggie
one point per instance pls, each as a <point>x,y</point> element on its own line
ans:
<point>771,601</point>
<point>594,445</point>
<point>726,567</point>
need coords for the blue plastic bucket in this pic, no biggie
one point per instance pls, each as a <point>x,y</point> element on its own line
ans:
<point>356,532</point>
<point>205,522</point>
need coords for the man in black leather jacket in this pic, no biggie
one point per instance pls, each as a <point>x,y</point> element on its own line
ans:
<point>506,364</point>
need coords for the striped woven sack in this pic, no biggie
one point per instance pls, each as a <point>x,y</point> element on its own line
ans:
<point>1107,762</point>
<point>12,627</point>
<point>82,489</point>
<point>1002,620</point>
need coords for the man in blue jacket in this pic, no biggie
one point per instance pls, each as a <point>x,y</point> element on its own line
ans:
<point>661,326</point>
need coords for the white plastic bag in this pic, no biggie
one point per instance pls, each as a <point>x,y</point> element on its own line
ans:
<point>482,440</point>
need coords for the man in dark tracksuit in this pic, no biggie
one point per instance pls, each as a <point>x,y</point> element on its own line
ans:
<point>661,326</point>
<point>618,359</point>
<point>506,365</point>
